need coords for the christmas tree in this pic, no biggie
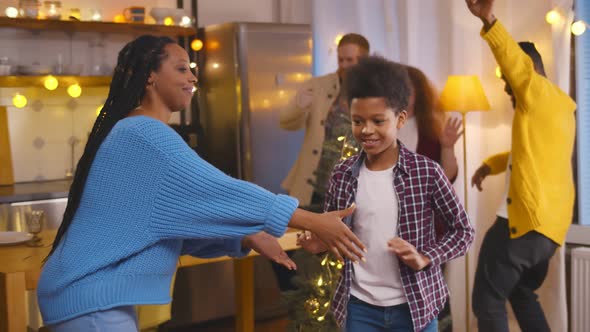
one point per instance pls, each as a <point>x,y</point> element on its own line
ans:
<point>317,275</point>
<point>309,304</point>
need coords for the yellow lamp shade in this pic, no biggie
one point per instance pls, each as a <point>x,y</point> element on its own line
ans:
<point>463,93</point>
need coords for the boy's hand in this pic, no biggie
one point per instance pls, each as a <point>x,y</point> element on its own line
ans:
<point>482,172</point>
<point>269,247</point>
<point>408,254</point>
<point>310,243</point>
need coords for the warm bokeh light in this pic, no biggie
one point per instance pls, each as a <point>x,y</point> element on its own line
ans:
<point>552,17</point>
<point>119,19</point>
<point>11,12</point>
<point>215,65</point>
<point>50,83</point>
<point>193,65</point>
<point>578,28</point>
<point>74,90</point>
<point>213,45</point>
<point>168,21</point>
<point>186,21</point>
<point>96,16</point>
<point>19,100</point>
<point>337,39</point>
<point>498,72</point>
<point>298,77</point>
<point>197,45</point>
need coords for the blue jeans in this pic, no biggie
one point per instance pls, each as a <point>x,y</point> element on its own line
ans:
<point>365,317</point>
<point>119,319</point>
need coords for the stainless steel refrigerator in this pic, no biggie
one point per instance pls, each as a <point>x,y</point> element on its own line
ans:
<point>248,72</point>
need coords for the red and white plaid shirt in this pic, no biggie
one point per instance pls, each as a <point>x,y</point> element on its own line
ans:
<point>423,192</point>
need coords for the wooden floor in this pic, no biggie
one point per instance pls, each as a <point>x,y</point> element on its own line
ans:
<point>227,325</point>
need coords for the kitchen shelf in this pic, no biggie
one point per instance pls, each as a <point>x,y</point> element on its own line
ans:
<point>26,81</point>
<point>89,26</point>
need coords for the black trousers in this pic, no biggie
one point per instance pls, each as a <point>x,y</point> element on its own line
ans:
<point>511,269</point>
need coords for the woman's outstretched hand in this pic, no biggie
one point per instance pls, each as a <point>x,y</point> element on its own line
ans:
<point>269,247</point>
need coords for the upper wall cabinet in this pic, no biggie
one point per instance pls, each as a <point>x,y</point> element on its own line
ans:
<point>89,26</point>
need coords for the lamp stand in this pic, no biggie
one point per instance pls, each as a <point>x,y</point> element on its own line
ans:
<point>467,297</point>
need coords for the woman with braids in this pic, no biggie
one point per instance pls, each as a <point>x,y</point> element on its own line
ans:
<point>141,197</point>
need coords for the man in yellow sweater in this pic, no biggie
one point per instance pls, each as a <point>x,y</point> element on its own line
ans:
<point>515,252</point>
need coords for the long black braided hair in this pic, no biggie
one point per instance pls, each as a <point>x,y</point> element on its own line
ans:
<point>135,62</point>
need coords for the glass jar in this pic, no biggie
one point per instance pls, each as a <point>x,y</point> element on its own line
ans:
<point>29,8</point>
<point>52,9</point>
<point>75,14</point>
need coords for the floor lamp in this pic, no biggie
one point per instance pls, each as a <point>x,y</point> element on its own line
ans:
<point>463,94</point>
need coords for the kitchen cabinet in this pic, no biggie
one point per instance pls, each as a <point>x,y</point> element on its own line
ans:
<point>37,81</point>
<point>69,27</point>
<point>90,26</point>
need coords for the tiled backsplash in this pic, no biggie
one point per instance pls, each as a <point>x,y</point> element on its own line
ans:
<point>41,133</point>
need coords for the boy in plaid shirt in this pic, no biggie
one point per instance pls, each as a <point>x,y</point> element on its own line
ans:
<point>398,194</point>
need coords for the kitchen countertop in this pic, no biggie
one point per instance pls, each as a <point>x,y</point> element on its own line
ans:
<point>34,191</point>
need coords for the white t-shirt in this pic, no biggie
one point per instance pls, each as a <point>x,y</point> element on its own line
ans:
<point>409,134</point>
<point>503,209</point>
<point>377,281</point>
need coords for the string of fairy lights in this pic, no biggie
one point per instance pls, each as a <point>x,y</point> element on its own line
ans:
<point>318,304</point>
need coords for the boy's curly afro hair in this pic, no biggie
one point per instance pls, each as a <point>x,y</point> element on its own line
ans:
<point>375,76</point>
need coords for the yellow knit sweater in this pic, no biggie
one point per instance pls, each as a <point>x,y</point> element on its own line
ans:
<point>541,193</point>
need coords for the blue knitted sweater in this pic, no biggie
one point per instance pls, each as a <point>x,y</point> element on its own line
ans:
<point>148,199</point>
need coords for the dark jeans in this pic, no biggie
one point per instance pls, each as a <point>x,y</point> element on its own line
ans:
<point>511,269</point>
